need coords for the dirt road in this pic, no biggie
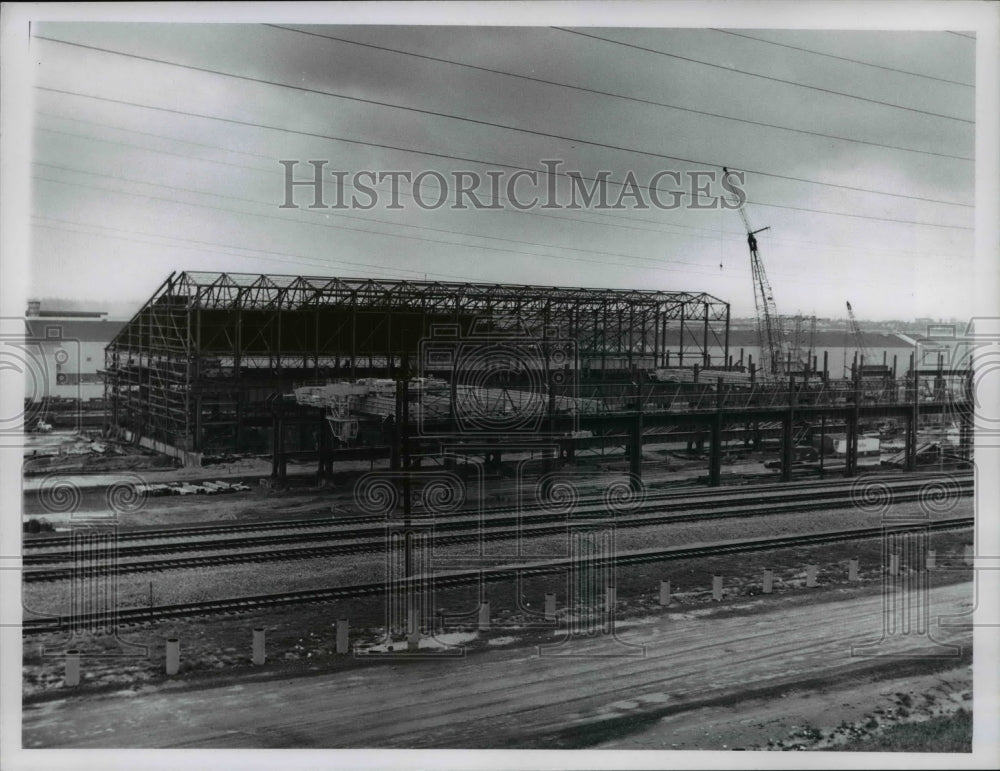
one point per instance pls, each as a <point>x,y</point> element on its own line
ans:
<point>582,693</point>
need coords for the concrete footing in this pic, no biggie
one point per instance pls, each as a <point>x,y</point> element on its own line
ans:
<point>717,588</point>
<point>173,656</point>
<point>852,569</point>
<point>259,656</point>
<point>894,564</point>
<point>72,677</point>
<point>343,635</point>
<point>768,581</point>
<point>550,607</point>
<point>484,617</point>
<point>968,553</point>
<point>811,572</point>
<point>931,562</point>
<point>664,592</point>
<point>413,630</point>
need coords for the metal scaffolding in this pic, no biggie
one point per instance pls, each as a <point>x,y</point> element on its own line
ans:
<point>195,367</point>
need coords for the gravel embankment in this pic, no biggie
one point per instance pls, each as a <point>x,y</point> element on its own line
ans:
<point>179,586</point>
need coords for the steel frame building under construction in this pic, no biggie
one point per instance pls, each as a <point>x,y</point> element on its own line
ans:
<point>192,372</point>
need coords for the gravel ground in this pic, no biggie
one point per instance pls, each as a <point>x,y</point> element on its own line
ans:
<point>238,580</point>
<point>302,638</point>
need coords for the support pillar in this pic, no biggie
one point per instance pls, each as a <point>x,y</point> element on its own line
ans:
<point>851,461</point>
<point>275,445</point>
<point>324,447</point>
<point>912,422</point>
<point>635,453</point>
<point>715,452</point>
<point>822,444</point>
<point>787,435</point>
<point>965,436</point>
<point>787,451</point>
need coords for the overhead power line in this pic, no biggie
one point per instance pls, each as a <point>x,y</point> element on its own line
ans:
<point>478,247</point>
<point>714,233</point>
<point>638,100</point>
<point>844,58</point>
<point>228,249</point>
<point>711,234</point>
<point>764,77</point>
<point>282,257</point>
<point>315,135</point>
<point>492,124</point>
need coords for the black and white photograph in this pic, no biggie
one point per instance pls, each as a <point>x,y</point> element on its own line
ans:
<point>500,385</point>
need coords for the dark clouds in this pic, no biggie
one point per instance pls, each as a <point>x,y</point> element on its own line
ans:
<point>155,191</point>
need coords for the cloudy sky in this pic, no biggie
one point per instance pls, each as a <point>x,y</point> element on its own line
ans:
<point>157,147</point>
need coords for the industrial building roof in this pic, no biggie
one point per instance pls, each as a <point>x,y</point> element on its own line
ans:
<point>82,330</point>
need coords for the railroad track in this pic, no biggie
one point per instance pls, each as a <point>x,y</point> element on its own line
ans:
<point>373,539</point>
<point>132,616</point>
<point>775,493</point>
<point>447,532</point>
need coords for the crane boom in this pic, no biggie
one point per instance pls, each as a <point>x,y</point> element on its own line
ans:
<point>875,380</point>
<point>863,351</point>
<point>770,336</point>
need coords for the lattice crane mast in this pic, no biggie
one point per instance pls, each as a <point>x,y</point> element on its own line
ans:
<point>863,352</point>
<point>803,344</point>
<point>770,336</point>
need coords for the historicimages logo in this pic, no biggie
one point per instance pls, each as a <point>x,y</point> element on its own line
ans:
<point>970,359</point>
<point>38,363</point>
<point>549,187</point>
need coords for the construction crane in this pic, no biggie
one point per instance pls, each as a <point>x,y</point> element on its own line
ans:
<point>863,352</point>
<point>770,337</point>
<point>873,378</point>
<point>801,349</point>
